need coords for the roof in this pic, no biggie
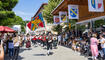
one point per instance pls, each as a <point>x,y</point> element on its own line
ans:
<point>41,7</point>
<point>63,6</point>
<point>84,13</point>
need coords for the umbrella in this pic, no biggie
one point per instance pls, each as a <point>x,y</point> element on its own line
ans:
<point>6,29</point>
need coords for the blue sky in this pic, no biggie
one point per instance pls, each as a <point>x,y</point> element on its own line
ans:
<point>27,8</point>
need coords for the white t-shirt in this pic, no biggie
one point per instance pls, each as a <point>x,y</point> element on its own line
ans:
<point>102,45</point>
<point>17,44</point>
<point>59,38</point>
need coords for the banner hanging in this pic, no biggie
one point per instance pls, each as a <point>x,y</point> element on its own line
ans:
<point>73,11</point>
<point>63,16</point>
<point>95,5</point>
<point>56,20</point>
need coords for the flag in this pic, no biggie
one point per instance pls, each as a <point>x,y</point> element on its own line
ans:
<point>56,20</point>
<point>95,5</point>
<point>63,16</point>
<point>28,28</point>
<point>29,25</point>
<point>73,11</point>
<point>37,22</point>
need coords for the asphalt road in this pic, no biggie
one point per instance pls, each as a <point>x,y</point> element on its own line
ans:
<point>38,53</point>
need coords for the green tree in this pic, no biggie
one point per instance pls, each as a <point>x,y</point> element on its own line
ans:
<point>7,16</point>
<point>6,13</point>
<point>19,21</point>
<point>57,28</point>
<point>8,5</point>
<point>98,23</point>
<point>52,4</point>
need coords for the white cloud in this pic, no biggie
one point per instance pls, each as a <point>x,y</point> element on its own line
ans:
<point>22,13</point>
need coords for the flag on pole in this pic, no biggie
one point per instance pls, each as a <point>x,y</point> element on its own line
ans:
<point>37,22</point>
<point>73,12</point>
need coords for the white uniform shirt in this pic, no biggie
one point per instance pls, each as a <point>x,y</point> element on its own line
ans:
<point>59,38</point>
<point>103,45</point>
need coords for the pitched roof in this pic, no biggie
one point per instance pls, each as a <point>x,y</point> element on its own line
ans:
<point>41,7</point>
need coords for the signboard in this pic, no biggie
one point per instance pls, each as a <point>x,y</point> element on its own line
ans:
<point>56,20</point>
<point>17,28</point>
<point>73,11</point>
<point>63,16</point>
<point>95,5</point>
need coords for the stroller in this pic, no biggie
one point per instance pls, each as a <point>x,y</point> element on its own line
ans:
<point>85,50</point>
<point>100,56</point>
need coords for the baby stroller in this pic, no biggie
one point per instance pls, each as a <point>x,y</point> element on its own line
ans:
<point>100,56</point>
<point>85,50</point>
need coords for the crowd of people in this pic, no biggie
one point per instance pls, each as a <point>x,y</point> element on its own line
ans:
<point>10,44</point>
<point>87,44</point>
<point>48,41</point>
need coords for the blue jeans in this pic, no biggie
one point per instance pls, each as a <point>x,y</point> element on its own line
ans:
<point>11,52</point>
<point>103,49</point>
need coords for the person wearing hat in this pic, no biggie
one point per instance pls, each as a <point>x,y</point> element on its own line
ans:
<point>94,46</point>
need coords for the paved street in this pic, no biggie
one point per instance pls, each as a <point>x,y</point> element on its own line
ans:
<point>38,53</point>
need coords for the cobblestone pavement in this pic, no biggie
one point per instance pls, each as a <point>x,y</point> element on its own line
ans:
<point>38,53</point>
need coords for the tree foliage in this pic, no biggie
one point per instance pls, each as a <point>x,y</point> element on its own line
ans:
<point>52,4</point>
<point>8,5</point>
<point>57,28</point>
<point>7,16</point>
<point>98,23</point>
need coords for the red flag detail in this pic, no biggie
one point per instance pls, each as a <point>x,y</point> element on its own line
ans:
<point>29,25</point>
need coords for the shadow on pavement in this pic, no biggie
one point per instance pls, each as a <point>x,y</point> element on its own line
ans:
<point>89,58</point>
<point>44,48</point>
<point>39,54</point>
<point>23,49</point>
<point>20,58</point>
<point>51,53</point>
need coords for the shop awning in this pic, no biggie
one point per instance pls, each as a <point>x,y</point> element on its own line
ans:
<point>6,29</point>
